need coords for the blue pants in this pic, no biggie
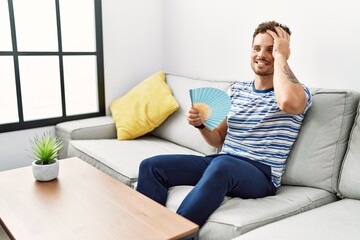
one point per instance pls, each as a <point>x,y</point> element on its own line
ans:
<point>213,176</point>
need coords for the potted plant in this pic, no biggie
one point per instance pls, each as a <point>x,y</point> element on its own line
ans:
<point>45,150</point>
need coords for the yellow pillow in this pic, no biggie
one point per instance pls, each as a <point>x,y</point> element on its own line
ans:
<point>143,108</point>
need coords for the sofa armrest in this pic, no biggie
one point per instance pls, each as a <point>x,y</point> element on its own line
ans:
<point>90,128</point>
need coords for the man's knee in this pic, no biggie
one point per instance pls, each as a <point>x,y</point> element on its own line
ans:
<point>145,164</point>
<point>154,160</point>
<point>154,164</point>
<point>148,164</point>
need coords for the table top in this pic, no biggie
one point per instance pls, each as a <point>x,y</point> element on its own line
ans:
<point>83,203</point>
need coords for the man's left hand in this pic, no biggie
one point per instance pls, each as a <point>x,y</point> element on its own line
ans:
<point>281,43</point>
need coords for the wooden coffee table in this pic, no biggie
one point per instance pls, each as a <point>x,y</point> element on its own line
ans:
<point>83,203</point>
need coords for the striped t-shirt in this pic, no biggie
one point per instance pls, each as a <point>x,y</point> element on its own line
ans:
<point>258,129</point>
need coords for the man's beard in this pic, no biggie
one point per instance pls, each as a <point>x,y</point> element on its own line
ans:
<point>262,73</point>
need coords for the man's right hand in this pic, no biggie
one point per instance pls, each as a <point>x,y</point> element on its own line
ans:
<point>193,117</point>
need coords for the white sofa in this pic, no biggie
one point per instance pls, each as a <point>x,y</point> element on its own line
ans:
<point>310,181</point>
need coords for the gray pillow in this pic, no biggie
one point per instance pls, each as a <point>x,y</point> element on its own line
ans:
<point>350,174</point>
<point>316,156</point>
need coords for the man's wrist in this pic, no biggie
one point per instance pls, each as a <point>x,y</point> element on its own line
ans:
<point>200,126</point>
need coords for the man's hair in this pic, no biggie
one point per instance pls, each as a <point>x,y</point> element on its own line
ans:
<point>269,26</point>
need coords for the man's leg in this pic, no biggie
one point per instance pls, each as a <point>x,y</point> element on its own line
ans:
<point>158,173</point>
<point>226,175</point>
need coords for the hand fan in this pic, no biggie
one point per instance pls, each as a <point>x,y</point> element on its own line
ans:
<point>213,104</point>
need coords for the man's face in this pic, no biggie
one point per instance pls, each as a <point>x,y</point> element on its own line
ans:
<point>262,60</point>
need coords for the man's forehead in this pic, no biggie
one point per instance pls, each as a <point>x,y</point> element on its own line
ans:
<point>263,40</point>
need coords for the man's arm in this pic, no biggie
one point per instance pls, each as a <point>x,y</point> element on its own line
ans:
<point>289,93</point>
<point>214,137</point>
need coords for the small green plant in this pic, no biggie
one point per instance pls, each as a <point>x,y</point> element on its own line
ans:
<point>45,148</point>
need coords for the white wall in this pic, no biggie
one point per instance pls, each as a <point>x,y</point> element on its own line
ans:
<point>132,43</point>
<point>132,35</point>
<point>212,38</point>
<point>15,150</point>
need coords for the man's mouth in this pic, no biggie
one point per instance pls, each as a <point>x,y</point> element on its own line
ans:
<point>261,62</point>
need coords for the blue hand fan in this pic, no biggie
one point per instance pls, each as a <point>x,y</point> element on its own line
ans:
<point>213,104</point>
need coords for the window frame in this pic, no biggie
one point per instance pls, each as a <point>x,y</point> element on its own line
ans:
<point>21,124</point>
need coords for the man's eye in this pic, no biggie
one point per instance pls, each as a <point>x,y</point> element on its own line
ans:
<point>270,49</point>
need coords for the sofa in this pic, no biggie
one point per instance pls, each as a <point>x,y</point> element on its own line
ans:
<point>336,220</point>
<point>320,194</point>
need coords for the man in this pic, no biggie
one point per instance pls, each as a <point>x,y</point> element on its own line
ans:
<point>255,139</point>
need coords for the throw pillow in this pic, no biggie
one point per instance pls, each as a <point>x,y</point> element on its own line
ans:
<point>143,108</point>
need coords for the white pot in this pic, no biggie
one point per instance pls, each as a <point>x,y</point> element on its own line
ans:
<point>46,172</point>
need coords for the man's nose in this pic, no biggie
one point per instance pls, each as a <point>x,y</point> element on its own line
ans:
<point>261,54</point>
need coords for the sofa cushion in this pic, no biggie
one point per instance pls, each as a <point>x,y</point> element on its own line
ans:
<point>335,221</point>
<point>316,156</point>
<point>176,128</point>
<point>143,108</point>
<point>350,174</point>
<point>89,128</point>
<point>121,159</point>
<point>236,216</point>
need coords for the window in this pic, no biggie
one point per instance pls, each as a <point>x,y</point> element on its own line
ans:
<point>51,62</point>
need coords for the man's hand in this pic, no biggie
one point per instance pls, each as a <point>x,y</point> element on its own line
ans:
<point>193,117</point>
<point>215,137</point>
<point>281,43</point>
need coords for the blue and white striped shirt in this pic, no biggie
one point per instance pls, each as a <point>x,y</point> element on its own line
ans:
<point>258,129</point>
